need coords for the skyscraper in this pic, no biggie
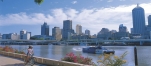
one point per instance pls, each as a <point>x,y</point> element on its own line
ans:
<point>22,32</point>
<point>67,29</point>
<point>149,20</point>
<point>25,35</point>
<point>122,28</point>
<point>138,16</point>
<point>45,29</point>
<point>56,33</point>
<point>87,32</point>
<point>78,29</point>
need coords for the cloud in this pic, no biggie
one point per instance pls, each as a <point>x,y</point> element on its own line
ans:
<point>74,2</point>
<point>122,0</point>
<point>109,0</point>
<point>93,19</point>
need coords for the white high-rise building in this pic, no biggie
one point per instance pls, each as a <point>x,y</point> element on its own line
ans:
<point>56,33</point>
<point>25,35</point>
<point>78,29</point>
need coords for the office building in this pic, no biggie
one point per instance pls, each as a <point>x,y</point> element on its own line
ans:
<point>113,31</point>
<point>22,32</point>
<point>122,28</point>
<point>87,32</point>
<point>25,35</point>
<point>67,29</point>
<point>29,33</point>
<point>12,36</point>
<point>132,31</point>
<point>104,34</point>
<point>123,32</point>
<point>45,29</point>
<point>138,16</point>
<point>149,20</point>
<point>56,33</point>
<point>78,29</point>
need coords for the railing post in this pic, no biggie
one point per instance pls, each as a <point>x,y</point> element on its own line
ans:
<point>135,55</point>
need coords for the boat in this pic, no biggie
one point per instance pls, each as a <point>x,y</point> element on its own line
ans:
<point>109,52</point>
<point>97,50</point>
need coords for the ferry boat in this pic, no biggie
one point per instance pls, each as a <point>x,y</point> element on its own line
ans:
<point>97,50</point>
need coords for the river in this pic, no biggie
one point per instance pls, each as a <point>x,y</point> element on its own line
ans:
<point>58,52</point>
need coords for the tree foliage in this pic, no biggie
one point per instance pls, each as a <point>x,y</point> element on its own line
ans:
<point>36,1</point>
<point>39,1</point>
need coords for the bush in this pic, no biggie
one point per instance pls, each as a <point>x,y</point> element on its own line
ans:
<point>1,48</point>
<point>20,52</point>
<point>110,60</point>
<point>77,59</point>
<point>10,49</point>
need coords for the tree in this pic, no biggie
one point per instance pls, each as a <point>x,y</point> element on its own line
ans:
<point>39,1</point>
<point>36,1</point>
<point>32,38</point>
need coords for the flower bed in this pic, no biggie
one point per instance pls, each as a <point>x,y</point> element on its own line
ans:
<point>10,49</point>
<point>104,59</point>
<point>71,57</point>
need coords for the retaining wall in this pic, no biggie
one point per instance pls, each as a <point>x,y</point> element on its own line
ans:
<point>41,60</point>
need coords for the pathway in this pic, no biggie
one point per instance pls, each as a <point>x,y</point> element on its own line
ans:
<point>8,61</point>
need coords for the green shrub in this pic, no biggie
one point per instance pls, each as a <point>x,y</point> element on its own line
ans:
<point>111,60</point>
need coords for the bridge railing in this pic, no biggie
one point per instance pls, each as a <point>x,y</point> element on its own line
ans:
<point>41,60</point>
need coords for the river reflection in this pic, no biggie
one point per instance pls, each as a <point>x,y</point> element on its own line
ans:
<point>58,52</point>
<point>44,51</point>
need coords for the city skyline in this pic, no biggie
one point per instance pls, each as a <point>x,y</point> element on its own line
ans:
<point>31,20</point>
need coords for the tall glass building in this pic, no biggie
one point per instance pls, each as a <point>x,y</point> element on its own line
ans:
<point>87,32</point>
<point>138,16</point>
<point>149,20</point>
<point>67,29</point>
<point>45,29</point>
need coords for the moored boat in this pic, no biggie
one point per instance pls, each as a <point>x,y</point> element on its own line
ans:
<point>97,50</point>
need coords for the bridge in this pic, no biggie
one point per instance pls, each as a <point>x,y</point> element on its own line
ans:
<point>28,42</point>
<point>90,41</point>
<point>99,41</point>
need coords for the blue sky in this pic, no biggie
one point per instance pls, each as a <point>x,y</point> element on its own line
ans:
<point>16,15</point>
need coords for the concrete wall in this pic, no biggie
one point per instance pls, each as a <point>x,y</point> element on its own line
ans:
<point>42,60</point>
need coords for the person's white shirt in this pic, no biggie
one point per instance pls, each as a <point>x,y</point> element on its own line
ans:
<point>30,51</point>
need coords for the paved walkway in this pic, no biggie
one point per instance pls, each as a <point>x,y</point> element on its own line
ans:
<point>8,61</point>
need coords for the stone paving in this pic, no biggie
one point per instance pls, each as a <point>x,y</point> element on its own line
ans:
<point>8,61</point>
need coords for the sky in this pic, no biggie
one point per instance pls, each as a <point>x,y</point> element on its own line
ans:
<point>93,15</point>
